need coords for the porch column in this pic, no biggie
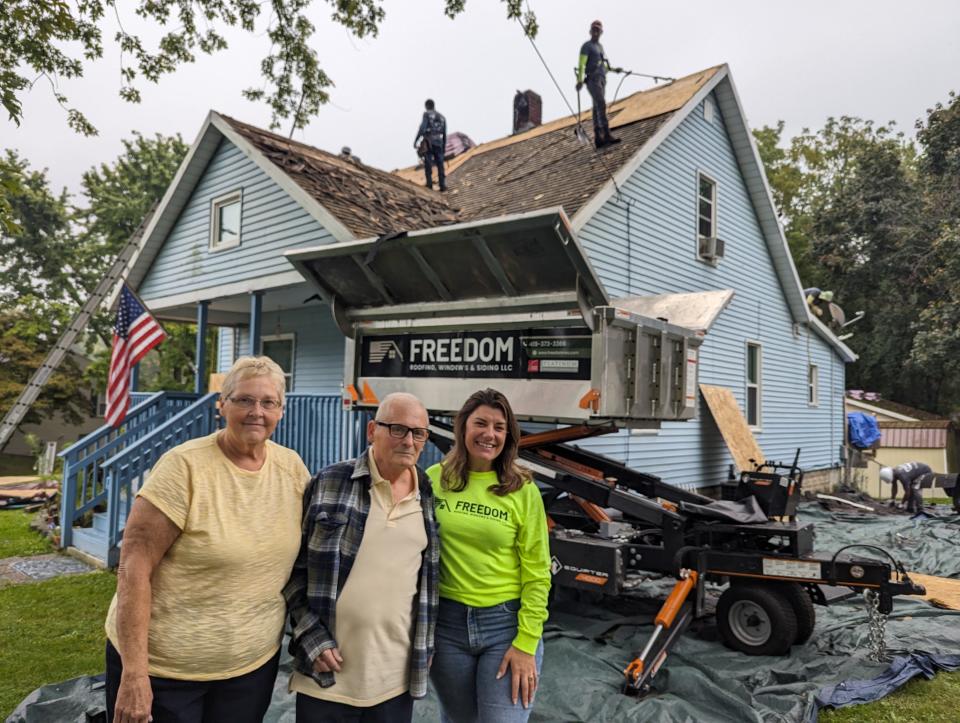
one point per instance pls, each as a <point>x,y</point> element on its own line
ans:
<point>256,314</point>
<point>135,377</point>
<point>198,384</point>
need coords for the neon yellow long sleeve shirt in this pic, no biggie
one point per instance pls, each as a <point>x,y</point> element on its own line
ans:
<point>494,549</point>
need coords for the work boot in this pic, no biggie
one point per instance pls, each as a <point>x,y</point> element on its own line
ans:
<point>610,140</point>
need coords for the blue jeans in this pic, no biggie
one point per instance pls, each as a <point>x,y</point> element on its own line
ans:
<point>470,643</point>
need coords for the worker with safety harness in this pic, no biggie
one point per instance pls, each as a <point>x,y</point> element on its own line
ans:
<point>592,70</point>
<point>913,476</point>
<point>431,141</point>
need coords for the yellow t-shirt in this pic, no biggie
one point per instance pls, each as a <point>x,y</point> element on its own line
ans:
<point>217,609</point>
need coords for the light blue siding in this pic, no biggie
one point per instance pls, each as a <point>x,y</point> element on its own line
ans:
<point>652,250</point>
<point>318,346</point>
<point>271,221</point>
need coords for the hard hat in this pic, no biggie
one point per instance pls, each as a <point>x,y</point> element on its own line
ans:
<point>596,24</point>
<point>886,474</point>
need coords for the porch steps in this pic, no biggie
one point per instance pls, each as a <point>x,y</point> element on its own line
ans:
<point>93,540</point>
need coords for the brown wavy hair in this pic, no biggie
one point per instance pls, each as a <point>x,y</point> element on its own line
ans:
<point>456,465</point>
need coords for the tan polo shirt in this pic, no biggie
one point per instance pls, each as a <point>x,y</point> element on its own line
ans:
<point>374,618</point>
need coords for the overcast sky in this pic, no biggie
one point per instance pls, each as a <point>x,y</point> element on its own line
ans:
<point>799,62</point>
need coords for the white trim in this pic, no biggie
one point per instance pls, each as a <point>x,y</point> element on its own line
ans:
<point>336,228</point>
<point>292,338</point>
<point>813,385</point>
<point>260,283</point>
<point>758,427</point>
<point>226,199</point>
<point>879,410</point>
<point>713,213</point>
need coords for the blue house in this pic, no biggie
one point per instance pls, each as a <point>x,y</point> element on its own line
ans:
<point>677,217</point>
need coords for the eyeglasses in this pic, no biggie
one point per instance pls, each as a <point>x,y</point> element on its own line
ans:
<point>267,405</point>
<point>400,431</point>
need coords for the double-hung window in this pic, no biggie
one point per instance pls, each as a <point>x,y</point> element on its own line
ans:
<point>813,385</point>
<point>282,349</point>
<point>225,215</point>
<point>754,385</point>
<point>709,247</point>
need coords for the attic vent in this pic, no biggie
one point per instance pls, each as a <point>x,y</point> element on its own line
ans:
<point>711,248</point>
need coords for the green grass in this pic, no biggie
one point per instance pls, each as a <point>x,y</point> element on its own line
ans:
<point>919,701</point>
<point>16,465</point>
<point>16,536</point>
<point>50,632</point>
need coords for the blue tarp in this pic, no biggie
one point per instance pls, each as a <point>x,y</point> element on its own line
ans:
<point>863,430</point>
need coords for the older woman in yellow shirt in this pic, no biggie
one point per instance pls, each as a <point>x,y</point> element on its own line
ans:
<point>194,631</point>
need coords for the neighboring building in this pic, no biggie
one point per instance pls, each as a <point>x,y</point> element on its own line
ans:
<point>907,434</point>
<point>681,206</point>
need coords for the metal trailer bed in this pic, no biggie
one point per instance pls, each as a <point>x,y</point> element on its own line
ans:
<point>515,303</point>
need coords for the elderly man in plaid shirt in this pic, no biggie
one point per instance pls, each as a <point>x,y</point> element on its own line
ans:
<point>363,593</point>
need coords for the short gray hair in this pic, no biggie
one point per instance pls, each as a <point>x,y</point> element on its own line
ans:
<point>248,367</point>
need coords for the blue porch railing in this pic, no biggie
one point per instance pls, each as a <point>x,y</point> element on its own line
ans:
<point>84,483</point>
<point>107,468</point>
<point>125,471</point>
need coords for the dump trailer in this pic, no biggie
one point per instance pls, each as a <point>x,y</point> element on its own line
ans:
<point>515,304</point>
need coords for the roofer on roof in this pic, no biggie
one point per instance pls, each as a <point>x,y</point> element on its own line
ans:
<point>592,69</point>
<point>433,133</point>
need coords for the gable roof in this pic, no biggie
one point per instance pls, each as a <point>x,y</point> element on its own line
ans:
<point>368,201</point>
<point>904,412</point>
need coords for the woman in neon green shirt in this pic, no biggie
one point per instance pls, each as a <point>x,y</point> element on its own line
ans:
<point>494,569</point>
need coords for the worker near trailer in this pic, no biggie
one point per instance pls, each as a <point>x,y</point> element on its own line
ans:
<point>494,569</point>
<point>431,143</point>
<point>194,631</point>
<point>592,70</point>
<point>363,592</point>
<point>911,475</point>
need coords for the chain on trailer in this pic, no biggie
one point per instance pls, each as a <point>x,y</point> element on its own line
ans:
<point>514,302</point>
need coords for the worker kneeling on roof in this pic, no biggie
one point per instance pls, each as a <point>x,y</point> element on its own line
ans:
<point>911,475</point>
<point>592,69</point>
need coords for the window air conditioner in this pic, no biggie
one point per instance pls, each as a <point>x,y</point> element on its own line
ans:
<point>711,247</point>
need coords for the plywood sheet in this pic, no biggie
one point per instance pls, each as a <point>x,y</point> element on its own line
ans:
<point>733,427</point>
<point>941,591</point>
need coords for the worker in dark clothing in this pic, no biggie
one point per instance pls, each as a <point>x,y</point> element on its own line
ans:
<point>433,135</point>
<point>912,475</point>
<point>592,69</point>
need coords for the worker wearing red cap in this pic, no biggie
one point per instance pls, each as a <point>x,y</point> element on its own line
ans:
<point>592,69</point>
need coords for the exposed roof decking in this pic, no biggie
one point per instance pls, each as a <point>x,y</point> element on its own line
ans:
<point>366,200</point>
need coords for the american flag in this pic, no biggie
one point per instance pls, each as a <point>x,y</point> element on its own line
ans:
<point>135,332</point>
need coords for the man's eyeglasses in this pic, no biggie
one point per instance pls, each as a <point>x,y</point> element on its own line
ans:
<point>400,431</point>
<point>267,405</point>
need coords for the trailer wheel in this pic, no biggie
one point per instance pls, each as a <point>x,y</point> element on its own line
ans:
<point>803,608</point>
<point>756,619</point>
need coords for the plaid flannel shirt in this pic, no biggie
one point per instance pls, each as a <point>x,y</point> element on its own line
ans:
<point>336,505</point>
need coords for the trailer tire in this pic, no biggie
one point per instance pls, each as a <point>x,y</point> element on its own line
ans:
<point>803,608</point>
<point>756,619</point>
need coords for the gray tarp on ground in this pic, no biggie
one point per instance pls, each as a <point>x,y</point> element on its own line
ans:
<point>587,646</point>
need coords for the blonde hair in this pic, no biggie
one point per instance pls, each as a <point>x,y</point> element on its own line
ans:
<point>248,367</point>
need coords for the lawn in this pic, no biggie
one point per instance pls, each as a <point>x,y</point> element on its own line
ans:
<point>919,701</point>
<point>51,631</point>
<point>16,536</point>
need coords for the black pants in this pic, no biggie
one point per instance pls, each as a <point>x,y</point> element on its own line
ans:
<point>242,699</point>
<point>314,710</point>
<point>597,85</point>
<point>434,157</point>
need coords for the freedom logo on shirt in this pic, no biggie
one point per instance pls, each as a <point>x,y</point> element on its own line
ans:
<point>474,509</point>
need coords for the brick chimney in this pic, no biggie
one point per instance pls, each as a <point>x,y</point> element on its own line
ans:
<point>527,111</point>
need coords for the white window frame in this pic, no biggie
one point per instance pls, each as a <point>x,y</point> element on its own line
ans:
<point>813,385</point>
<point>215,205</point>
<point>713,216</point>
<point>292,338</point>
<point>757,425</point>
